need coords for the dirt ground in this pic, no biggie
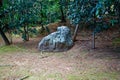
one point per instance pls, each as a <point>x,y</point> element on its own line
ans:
<point>81,62</point>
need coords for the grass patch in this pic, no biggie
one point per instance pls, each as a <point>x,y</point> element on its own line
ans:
<point>58,76</point>
<point>116,42</point>
<point>73,77</point>
<point>11,48</point>
<point>55,76</point>
<point>46,76</point>
<point>9,73</point>
<point>95,76</point>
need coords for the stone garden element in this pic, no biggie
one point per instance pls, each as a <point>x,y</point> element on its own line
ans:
<point>61,40</point>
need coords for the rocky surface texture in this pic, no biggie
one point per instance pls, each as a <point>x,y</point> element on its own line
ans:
<point>61,40</point>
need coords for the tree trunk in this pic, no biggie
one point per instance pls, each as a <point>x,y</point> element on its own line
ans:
<point>75,32</point>
<point>4,37</point>
<point>93,36</point>
<point>26,35</point>
<point>93,41</point>
<point>0,3</point>
<point>117,4</point>
<point>62,13</point>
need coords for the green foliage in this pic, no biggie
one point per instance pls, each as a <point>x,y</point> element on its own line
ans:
<point>93,12</point>
<point>50,11</point>
<point>18,13</point>
<point>26,13</point>
<point>19,16</point>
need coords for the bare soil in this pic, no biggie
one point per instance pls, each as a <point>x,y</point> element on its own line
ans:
<point>81,62</point>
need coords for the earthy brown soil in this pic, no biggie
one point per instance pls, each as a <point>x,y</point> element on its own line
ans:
<point>80,59</point>
<point>104,50</point>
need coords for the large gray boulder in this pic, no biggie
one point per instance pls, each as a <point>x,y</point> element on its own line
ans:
<point>60,40</point>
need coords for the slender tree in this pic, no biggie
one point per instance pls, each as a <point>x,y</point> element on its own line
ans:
<point>19,15</point>
<point>93,12</point>
<point>62,2</point>
<point>1,29</point>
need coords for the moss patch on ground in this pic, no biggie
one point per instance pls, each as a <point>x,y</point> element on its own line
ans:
<point>96,76</point>
<point>9,49</point>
